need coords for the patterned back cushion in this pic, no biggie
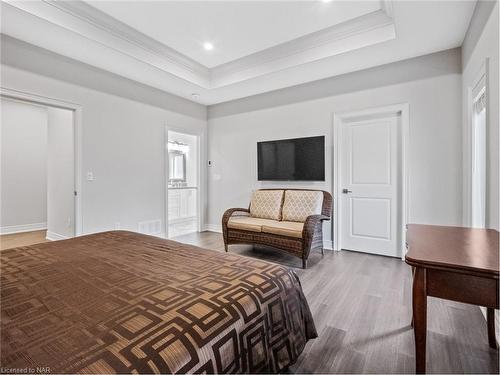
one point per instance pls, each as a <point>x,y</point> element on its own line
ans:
<point>266,204</point>
<point>299,204</point>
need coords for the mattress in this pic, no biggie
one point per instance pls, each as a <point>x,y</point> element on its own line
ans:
<point>122,302</point>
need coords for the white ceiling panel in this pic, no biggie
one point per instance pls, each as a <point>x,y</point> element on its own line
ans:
<point>235,28</point>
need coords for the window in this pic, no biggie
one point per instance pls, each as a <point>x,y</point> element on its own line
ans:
<point>479,153</point>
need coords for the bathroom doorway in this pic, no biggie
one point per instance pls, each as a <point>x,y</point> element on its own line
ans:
<point>183,196</point>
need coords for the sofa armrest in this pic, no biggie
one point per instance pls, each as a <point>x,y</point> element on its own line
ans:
<point>230,212</point>
<point>310,226</point>
<point>315,219</point>
<point>311,222</point>
<point>227,215</point>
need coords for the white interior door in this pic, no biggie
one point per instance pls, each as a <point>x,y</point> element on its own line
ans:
<point>369,185</point>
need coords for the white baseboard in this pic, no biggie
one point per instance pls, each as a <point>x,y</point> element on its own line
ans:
<point>213,228</point>
<point>328,245</point>
<point>51,236</point>
<point>22,228</point>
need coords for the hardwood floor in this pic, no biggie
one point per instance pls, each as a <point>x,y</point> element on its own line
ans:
<point>8,241</point>
<point>361,305</point>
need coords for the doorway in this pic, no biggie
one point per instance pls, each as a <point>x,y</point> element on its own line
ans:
<point>183,196</point>
<point>370,180</point>
<point>38,169</point>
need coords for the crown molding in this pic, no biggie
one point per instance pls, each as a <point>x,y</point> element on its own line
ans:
<point>386,7</point>
<point>91,23</point>
<point>86,21</point>
<point>347,36</point>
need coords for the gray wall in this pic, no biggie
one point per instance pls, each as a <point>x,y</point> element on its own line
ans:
<point>123,133</point>
<point>427,66</point>
<point>28,57</point>
<point>431,85</point>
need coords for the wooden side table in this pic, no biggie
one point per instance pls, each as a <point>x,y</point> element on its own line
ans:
<point>459,264</point>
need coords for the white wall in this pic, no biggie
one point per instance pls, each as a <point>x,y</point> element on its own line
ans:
<point>435,194</point>
<point>23,167</point>
<point>122,144</point>
<point>60,174</point>
<point>481,43</point>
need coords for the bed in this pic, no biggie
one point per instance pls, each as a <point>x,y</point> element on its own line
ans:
<point>122,302</point>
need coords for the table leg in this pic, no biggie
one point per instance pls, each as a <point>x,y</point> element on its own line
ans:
<point>412,276</point>
<point>490,318</point>
<point>420,317</point>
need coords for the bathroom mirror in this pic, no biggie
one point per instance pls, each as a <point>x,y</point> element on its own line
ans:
<point>176,166</point>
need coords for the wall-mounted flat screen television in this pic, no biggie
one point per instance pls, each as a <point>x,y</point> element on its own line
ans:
<point>298,159</point>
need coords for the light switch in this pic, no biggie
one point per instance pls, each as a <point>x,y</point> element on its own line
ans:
<point>90,176</point>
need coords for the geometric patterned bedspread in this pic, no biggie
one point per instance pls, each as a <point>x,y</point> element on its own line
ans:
<point>122,302</point>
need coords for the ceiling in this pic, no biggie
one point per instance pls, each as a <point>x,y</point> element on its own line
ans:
<point>236,29</point>
<point>259,46</point>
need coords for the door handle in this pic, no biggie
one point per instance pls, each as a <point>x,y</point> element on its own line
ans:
<point>346,191</point>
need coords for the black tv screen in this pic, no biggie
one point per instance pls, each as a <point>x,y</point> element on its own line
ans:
<point>299,159</point>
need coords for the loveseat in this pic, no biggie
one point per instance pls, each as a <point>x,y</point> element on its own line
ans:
<point>287,219</point>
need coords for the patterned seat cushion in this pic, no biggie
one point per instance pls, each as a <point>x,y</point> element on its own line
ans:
<point>266,204</point>
<point>284,228</point>
<point>299,204</point>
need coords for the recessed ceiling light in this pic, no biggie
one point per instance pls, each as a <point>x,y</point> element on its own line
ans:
<point>195,95</point>
<point>208,46</point>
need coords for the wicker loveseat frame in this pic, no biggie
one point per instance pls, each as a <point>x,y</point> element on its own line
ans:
<point>312,232</point>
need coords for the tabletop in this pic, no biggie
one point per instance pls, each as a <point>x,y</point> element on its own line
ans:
<point>456,248</point>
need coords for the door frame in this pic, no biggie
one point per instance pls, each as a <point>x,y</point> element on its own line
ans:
<point>339,118</point>
<point>201,136</point>
<point>77,141</point>
<point>468,144</point>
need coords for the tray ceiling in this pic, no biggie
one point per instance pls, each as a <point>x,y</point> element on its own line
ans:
<point>236,29</point>
<point>257,44</point>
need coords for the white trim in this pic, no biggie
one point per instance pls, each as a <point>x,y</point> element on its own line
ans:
<point>328,245</point>
<point>77,149</point>
<point>366,30</point>
<point>159,235</point>
<point>202,175</point>
<point>468,140</point>
<point>217,228</point>
<point>10,229</point>
<point>404,110</point>
<point>386,6</point>
<point>51,236</point>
